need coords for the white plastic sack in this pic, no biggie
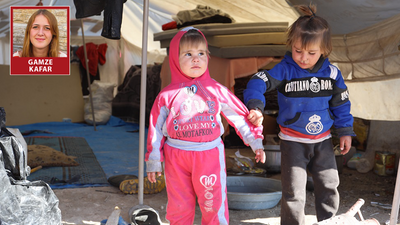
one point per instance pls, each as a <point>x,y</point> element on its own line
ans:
<point>102,96</point>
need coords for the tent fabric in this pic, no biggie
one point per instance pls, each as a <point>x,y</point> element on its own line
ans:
<point>369,54</point>
<point>375,100</point>
<point>369,60</point>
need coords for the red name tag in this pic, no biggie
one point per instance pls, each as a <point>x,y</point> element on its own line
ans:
<point>40,66</point>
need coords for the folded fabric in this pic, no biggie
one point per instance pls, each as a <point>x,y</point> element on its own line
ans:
<point>169,26</point>
<point>201,15</point>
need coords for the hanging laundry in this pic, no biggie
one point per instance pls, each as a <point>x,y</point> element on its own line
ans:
<point>113,10</point>
<point>113,19</point>
<point>96,55</point>
<point>86,8</point>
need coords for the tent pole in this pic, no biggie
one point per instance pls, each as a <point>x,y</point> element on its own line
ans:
<point>88,75</point>
<point>121,62</point>
<point>394,215</point>
<point>143,99</point>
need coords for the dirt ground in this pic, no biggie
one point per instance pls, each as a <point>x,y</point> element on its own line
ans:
<point>92,205</point>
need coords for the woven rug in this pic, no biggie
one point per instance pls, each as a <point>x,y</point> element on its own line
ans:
<point>88,173</point>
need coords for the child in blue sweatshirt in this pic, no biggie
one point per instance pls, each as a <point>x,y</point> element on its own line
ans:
<point>312,97</point>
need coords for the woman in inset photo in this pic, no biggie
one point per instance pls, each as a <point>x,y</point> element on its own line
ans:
<point>41,36</point>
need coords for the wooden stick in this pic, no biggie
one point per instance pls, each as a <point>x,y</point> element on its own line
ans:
<point>36,169</point>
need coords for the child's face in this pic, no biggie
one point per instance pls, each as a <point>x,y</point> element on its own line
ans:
<point>306,58</point>
<point>193,60</point>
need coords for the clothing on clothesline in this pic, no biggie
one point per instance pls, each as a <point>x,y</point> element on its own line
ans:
<point>86,8</point>
<point>113,10</point>
<point>96,55</point>
<point>113,19</point>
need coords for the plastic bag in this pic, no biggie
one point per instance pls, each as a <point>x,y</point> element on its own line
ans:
<point>243,164</point>
<point>22,201</point>
<point>25,202</point>
<point>28,203</point>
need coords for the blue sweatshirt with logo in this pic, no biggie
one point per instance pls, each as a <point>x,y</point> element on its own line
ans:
<point>310,101</point>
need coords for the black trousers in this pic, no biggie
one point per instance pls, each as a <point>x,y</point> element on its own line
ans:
<point>319,160</point>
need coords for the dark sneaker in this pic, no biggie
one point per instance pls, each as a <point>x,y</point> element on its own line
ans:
<point>117,179</point>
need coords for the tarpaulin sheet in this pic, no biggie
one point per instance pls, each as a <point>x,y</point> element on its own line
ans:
<point>115,144</point>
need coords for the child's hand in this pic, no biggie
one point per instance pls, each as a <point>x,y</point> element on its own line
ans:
<point>255,117</point>
<point>260,155</point>
<point>345,144</point>
<point>151,176</point>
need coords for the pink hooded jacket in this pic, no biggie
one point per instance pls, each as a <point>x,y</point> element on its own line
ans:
<point>187,114</point>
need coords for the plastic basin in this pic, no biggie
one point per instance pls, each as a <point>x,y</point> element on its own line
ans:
<point>253,193</point>
<point>272,158</point>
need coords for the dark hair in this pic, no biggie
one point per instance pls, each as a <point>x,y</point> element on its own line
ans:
<point>192,38</point>
<point>310,29</point>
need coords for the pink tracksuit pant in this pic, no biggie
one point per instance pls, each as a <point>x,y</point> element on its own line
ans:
<point>200,173</point>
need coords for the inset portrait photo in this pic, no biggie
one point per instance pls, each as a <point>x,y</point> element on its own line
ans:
<point>39,40</point>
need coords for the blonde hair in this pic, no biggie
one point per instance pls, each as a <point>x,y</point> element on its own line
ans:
<point>192,38</point>
<point>310,29</point>
<point>54,44</point>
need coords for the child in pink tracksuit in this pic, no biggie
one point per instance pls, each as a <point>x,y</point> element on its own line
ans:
<point>185,131</point>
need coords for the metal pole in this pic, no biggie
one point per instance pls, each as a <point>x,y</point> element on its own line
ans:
<point>143,99</point>
<point>88,75</point>
<point>395,206</point>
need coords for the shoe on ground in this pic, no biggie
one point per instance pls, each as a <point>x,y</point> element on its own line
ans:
<point>144,215</point>
<point>117,179</point>
<point>131,186</point>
